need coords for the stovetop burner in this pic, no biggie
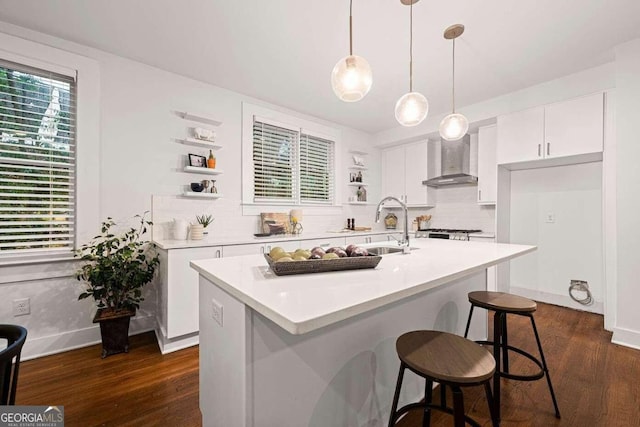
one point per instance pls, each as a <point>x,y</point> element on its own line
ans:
<point>451,230</point>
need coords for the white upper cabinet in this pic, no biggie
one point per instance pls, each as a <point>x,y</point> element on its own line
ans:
<point>574,127</point>
<point>487,166</point>
<point>403,170</point>
<point>563,129</point>
<point>520,136</point>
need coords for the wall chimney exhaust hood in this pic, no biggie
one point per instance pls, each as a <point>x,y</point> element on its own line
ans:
<point>455,163</point>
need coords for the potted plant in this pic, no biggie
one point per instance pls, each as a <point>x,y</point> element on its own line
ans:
<point>117,267</point>
<point>205,220</point>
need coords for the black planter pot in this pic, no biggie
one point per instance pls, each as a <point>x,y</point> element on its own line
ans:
<point>114,330</point>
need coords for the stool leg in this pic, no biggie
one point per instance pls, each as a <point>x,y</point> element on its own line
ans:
<point>492,408</point>
<point>505,344</point>
<point>428,397</point>
<point>396,396</point>
<point>458,407</point>
<point>497,333</point>
<point>544,365</point>
<point>443,395</point>
<point>466,330</point>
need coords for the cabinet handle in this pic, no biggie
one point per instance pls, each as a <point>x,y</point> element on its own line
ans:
<point>261,249</point>
<point>269,248</point>
<point>539,150</point>
<point>218,254</point>
<point>548,148</point>
<point>479,194</point>
<point>406,199</point>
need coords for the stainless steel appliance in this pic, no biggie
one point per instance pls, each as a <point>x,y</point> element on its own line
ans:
<point>445,233</point>
<point>455,160</point>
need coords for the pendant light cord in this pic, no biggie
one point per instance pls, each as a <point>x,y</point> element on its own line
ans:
<point>350,29</point>
<point>411,47</point>
<point>453,79</point>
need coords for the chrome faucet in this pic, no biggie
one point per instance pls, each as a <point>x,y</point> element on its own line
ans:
<point>405,238</point>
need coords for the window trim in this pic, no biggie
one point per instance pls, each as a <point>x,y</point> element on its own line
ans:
<point>250,207</point>
<point>87,73</point>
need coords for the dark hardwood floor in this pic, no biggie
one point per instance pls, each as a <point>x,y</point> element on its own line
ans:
<point>597,383</point>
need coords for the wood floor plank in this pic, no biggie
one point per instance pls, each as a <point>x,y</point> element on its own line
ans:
<point>597,383</point>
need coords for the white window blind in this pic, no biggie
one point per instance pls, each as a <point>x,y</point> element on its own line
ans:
<point>274,162</point>
<point>316,169</point>
<point>37,161</point>
<point>291,165</point>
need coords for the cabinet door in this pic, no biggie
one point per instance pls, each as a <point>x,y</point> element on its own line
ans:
<point>574,127</point>
<point>487,167</point>
<point>181,295</point>
<point>238,250</point>
<point>415,172</point>
<point>393,176</point>
<point>357,240</point>
<point>521,136</point>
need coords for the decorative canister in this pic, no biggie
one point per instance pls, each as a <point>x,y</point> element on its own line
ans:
<point>180,229</point>
<point>196,231</point>
<point>390,221</point>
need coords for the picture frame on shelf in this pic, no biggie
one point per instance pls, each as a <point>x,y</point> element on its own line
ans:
<point>197,161</point>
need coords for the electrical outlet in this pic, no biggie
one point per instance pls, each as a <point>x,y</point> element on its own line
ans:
<point>216,311</point>
<point>550,218</point>
<point>21,307</point>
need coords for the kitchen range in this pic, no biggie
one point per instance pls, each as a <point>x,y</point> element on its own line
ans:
<point>446,233</point>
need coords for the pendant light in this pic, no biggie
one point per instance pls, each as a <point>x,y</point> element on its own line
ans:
<point>351,77</point>
<point>454,126</point>
<point>411,108</point>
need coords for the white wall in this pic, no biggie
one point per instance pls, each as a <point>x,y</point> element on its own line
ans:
<point>569,248</point>
<point>137,158</point>
<point>627,330</point>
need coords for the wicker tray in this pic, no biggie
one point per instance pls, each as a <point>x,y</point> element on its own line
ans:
<point>322,265</point>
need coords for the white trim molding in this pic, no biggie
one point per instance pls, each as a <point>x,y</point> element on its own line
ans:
<point>626,337</point>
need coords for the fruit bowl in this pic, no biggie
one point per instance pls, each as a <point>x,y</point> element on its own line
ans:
<point>322,265</point>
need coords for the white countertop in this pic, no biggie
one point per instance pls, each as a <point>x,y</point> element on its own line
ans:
<point>217,241</point>
<point>303,303</point>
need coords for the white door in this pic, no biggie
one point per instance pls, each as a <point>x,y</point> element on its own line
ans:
<point>415,173</point>
<point>487,167</point>
<point>574,127</point>
<point>521,136</point>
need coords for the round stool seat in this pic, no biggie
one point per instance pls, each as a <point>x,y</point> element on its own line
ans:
<point>501,301</point>
<point>445,357</point>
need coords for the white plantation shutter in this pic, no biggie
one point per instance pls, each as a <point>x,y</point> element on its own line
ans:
<point>37,161</point>
<point>316,169</point>
<point>274,162</point>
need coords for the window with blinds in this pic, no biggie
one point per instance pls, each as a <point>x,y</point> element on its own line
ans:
<point>291,166</point>
<point>316,169</point>
<point>37,161</point>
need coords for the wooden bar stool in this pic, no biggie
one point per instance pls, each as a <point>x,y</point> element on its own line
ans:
<point>502,304</point>
<point>449,360</point>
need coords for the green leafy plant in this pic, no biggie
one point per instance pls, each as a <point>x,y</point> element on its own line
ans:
<point>117,266</point>
<point>205,220</point>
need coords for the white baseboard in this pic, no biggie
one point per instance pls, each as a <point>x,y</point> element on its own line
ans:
<point>170,345</point>
<point>78,338</point>
<point>562,300</point>
<point>626,337</point>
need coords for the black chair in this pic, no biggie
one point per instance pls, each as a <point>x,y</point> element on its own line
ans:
<point>10,361</point>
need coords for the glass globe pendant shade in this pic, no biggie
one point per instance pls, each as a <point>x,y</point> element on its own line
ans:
<point>453,127</point>
<point>351,78</point>
<point>411,109</point>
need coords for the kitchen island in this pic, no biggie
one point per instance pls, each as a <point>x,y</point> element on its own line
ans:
<point>318,350</point>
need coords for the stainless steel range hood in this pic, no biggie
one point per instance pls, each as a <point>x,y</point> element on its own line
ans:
<point>455,163</point>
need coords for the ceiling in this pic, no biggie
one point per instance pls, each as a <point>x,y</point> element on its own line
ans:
<point>283,51</point>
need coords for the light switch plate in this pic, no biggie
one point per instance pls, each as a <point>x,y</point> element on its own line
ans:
<point>550,218</point>
<point>216,311</point>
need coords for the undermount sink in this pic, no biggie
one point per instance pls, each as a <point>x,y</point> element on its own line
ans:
<point>385,250</point>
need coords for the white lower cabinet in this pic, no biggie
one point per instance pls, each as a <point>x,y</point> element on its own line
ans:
<point>329,242</point>
<point>178,291</point>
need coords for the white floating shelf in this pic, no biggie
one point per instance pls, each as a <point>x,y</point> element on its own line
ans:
<point>357,184</point>
<point>361,168</point>
<point>362,153</point>
<point>205,171</point>
<point>199,143</point>
<point>358,203</point>
<point>195,117</point>
<point>202,195</point>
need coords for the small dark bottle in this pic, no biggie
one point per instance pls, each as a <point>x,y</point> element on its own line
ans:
<point>353,223</point>
<point>348,223</point>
